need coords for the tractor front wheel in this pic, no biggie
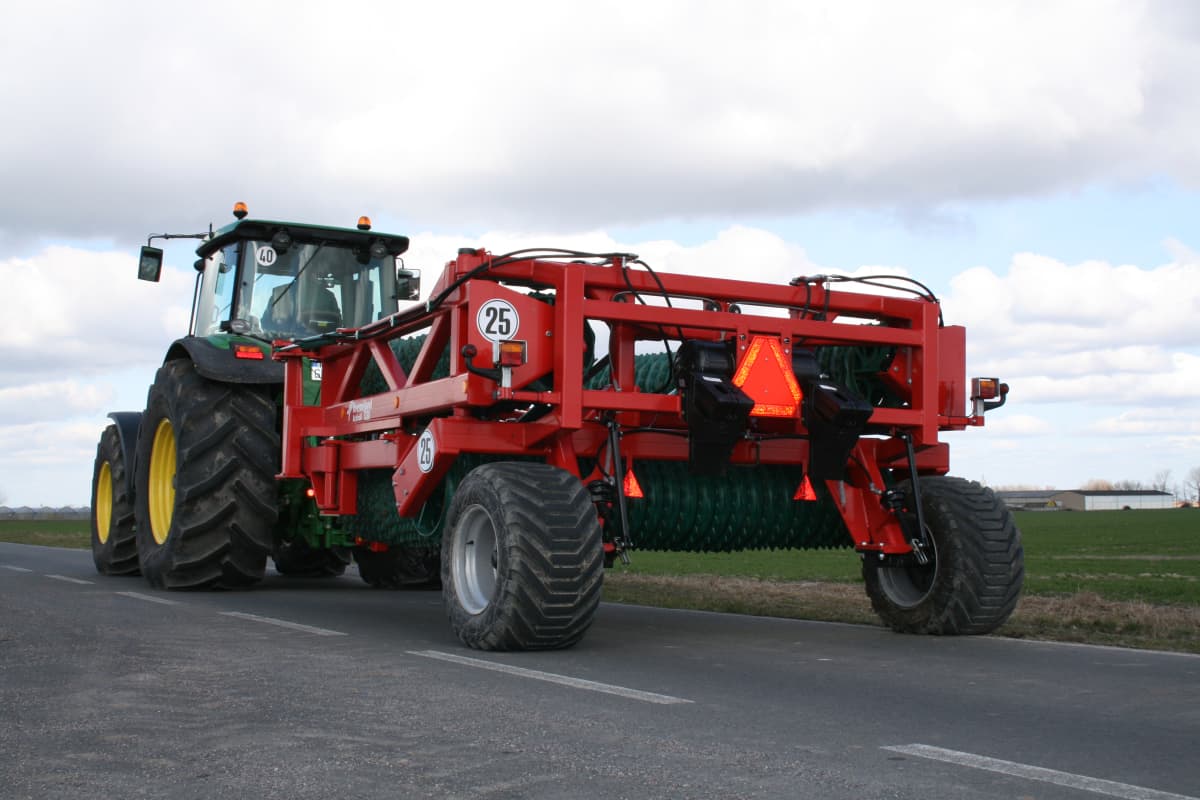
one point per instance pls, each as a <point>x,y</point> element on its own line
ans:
<point>522,558</point>
<point>973,580</point>
<point>114,546</point>
<point>205,500</point>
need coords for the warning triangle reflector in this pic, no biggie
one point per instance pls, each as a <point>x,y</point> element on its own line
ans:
<point>632,487</point>
<point>805,491</point>
<point>765,374</point>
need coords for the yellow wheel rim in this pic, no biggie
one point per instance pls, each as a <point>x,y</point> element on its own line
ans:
<point>161,491</point>
<point>102,502</point>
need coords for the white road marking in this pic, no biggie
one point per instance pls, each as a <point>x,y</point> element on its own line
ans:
<point>15,569</point>
<point>70,580</point>
<point>149,598</point>
<point>1068,779</point>
<point>550,677</point>
<point>283,623</point>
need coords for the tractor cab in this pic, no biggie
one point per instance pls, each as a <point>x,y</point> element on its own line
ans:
<point>283,280</point>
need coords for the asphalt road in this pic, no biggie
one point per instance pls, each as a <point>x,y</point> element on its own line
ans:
<point>301,689</point>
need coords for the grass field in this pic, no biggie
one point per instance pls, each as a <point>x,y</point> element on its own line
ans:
<point>1128,578</point>
<point>1150,556</point>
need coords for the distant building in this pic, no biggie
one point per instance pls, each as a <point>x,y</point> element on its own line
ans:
<point>1030,499</point>
<point>1113,499</point>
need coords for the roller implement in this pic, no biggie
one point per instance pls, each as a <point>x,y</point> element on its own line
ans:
<point>541,415</point>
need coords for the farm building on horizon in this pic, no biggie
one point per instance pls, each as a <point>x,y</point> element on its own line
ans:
<point>1085,499</point>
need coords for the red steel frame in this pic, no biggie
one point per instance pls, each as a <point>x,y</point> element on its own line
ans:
<point>328,443</point>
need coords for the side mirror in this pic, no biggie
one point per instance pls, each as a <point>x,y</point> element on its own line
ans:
<point>150,264</point>
<point>408,284</point>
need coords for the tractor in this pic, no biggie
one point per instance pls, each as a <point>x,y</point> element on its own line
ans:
<point>185,491</point>
<point>541,415</point>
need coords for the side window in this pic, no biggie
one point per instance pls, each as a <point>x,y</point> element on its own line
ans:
<point>225,284</point>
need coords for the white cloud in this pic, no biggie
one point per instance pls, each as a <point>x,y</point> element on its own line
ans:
<point>1089,332</point>
<point>1016,425</point>
<point>73,312</point>
<point>561,115</point>
<point>53,401</point>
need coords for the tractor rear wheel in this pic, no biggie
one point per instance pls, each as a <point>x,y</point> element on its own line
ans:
<point>114,548</point>
<point>400,566</point>
<point>522,558</point>
<point>298,559</point>
<point>974,577</point>
<point>205,500</point>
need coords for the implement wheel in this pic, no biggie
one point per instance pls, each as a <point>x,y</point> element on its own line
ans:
<point>114,548</point>
<point>205,503</point>
<point>522,558</point>
<point>400,567</point>
<point>974,577</point>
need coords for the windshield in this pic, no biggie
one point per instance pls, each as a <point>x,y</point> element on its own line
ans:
<point>304,290</point>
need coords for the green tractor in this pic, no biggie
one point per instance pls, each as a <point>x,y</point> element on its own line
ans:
<point>185,492</point>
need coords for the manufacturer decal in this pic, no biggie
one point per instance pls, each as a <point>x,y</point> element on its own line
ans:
<point>358,410</point>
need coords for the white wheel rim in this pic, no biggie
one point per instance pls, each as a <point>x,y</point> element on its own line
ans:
<point>474,559</point>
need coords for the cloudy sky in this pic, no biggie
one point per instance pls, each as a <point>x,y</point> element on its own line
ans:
<point>1036,164</point>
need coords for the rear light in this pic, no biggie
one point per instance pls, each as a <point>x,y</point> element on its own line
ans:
<point>248,351</point>
<point>512,353</point>
<point>986,394</point>
<point>985,388</point>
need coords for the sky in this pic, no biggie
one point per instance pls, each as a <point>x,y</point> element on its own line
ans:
<point>1036,164</point>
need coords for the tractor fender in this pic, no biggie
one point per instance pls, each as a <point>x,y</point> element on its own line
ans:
<point>214,359</point>
<point>127,423</point>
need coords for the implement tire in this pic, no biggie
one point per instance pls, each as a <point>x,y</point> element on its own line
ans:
<point>298,559</point>
<point>522,558</point>
<point>974,578</point>
<point>114,545</point>
<point>400,567</point>
<point>205,501</point>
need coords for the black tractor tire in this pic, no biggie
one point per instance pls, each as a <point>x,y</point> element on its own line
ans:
<point>975,574</point>
<point>114,545</point>
<point>522,558</point>
<point>298,559</point>
<point>205,494</point>
<point>401,567</point>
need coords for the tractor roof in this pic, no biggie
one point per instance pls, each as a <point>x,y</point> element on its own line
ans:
<point>262,229</point>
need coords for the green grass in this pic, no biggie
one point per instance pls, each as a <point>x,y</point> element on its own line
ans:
<point>75,533</point>
<point>1150,556</point>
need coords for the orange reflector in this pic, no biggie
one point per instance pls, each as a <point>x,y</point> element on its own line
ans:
<point>805,491</point>
<point>767,377</point>
<point>240,210</point>
<point>632,487</point>
<point>512,353</point>
<point>247,351</point>
<point>364,223</point>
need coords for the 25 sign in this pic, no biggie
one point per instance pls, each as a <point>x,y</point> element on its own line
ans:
<point>497,320</point>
